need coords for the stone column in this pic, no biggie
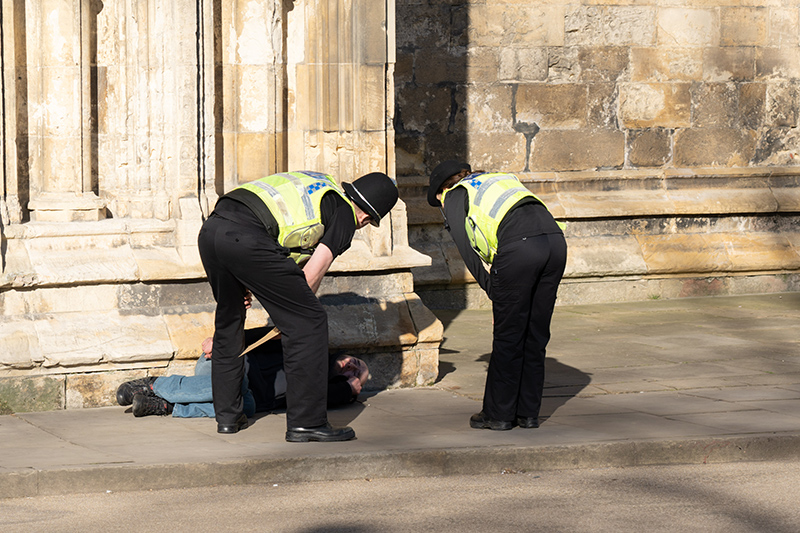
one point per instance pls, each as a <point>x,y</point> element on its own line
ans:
<point>338,59</point>
<point>60,44</point>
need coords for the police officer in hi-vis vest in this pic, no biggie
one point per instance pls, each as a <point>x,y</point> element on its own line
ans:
<point>495,220</point>
<point>277,236</point>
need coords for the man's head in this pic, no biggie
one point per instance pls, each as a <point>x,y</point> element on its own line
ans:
<point>440,177</point>
<point>374,194</point>
<point>351,367</point>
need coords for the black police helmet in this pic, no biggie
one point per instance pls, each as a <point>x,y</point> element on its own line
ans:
<point>440,174</point>
<point>374,193</point>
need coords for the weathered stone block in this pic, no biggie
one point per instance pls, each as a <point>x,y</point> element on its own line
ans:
<point>783,101</point>
<point>459,273</point>
<point>507,150</point>
<point>615,25</point>
<point>563,65</point>
<point>432,67</point>
<point>651,147</point>
<point>683,253</point>
<point>429,328</point>
<point>551,106</point>
<point>370,322</point>
<point>603,255</point>
<point>489,108</point>
<point>604,64</point>
<point>629,25</point>
<point>666,64</point>
<point>390,369</point>
<point>715,105</point>
<point>369,104</point>
<point>783,27</point>
<point>601,101</point>
<point>583,26</point>
<point>68,340</point>
<point>19,345</point>
<point>97,389</point>
<point>366,285</point>
<point>645,105</point>
<point>188,330</point>
<point>428,366</point>
<point>752,101</point>
<point>778,146</point>
<point>728,63</point>
<point>493,24</point>
<point>678,26</point>
<point>424,26</point>
<point>425,109</point>
<point>31,393</point>
<point>760,252</point>
<point>578,150</point>
<point>714,147</point>
<point>483,65</point>
<point>523,64</point>
<point>781,62</point>
<point>437,272</point>
<point>743,26</point>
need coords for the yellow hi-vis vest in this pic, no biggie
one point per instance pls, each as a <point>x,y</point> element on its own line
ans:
<point>490,197</point>
<point>293,199</point>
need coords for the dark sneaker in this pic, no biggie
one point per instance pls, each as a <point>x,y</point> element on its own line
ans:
<point>150,405</point>
<point>126,391</point>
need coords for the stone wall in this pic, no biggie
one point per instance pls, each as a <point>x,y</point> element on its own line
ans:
<point>664,132</point>
<point>123,122</point>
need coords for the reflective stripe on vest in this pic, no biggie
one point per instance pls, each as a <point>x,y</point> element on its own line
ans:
<point>294,199</point>
<point>491,197</point>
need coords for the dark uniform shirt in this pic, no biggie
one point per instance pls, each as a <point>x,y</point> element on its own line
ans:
<point>528,218</point>
<point>337,217</point>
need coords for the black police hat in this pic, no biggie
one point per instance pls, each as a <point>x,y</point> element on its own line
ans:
<point>440,174</point>
<point>375,194</point>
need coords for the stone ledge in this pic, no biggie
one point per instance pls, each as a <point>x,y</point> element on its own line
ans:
<point>115,251</point>
<point>635,193</point>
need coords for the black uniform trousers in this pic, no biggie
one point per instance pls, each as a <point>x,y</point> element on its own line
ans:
<point>236,258</point>
<point>525,277</point>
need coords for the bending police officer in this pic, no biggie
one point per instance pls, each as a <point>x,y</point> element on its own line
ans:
<point>257,238</point>
<point>495,220</point>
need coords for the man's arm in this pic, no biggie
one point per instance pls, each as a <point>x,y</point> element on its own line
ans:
<point>317,266</point>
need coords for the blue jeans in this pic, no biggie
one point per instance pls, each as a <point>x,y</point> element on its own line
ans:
<point>192,395</point>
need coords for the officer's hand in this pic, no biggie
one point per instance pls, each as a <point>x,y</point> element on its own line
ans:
<point>248,299</point>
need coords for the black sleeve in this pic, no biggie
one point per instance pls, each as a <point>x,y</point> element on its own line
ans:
<point>339,222</point>
<point>455,211</point>
<point>339,391</point>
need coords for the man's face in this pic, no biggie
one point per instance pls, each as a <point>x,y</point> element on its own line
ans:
<point>352,367</point>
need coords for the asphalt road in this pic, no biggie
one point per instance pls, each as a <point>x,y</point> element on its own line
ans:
<point>730,498</point>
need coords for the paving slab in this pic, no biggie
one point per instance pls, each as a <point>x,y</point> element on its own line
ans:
<point>655,382</point>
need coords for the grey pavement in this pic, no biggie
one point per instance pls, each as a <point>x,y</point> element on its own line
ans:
<point>657,382</point>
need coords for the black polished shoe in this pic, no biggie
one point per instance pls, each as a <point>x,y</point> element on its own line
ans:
<point>528,421</point>
<point>241,423</point>
<point>323,433</point>
<point>127,390</point>
<point>481,421</point>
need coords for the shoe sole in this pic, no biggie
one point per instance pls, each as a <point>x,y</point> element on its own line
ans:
<point>300,437</point>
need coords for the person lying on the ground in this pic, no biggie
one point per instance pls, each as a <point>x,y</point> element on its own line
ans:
<point>264,387</point>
